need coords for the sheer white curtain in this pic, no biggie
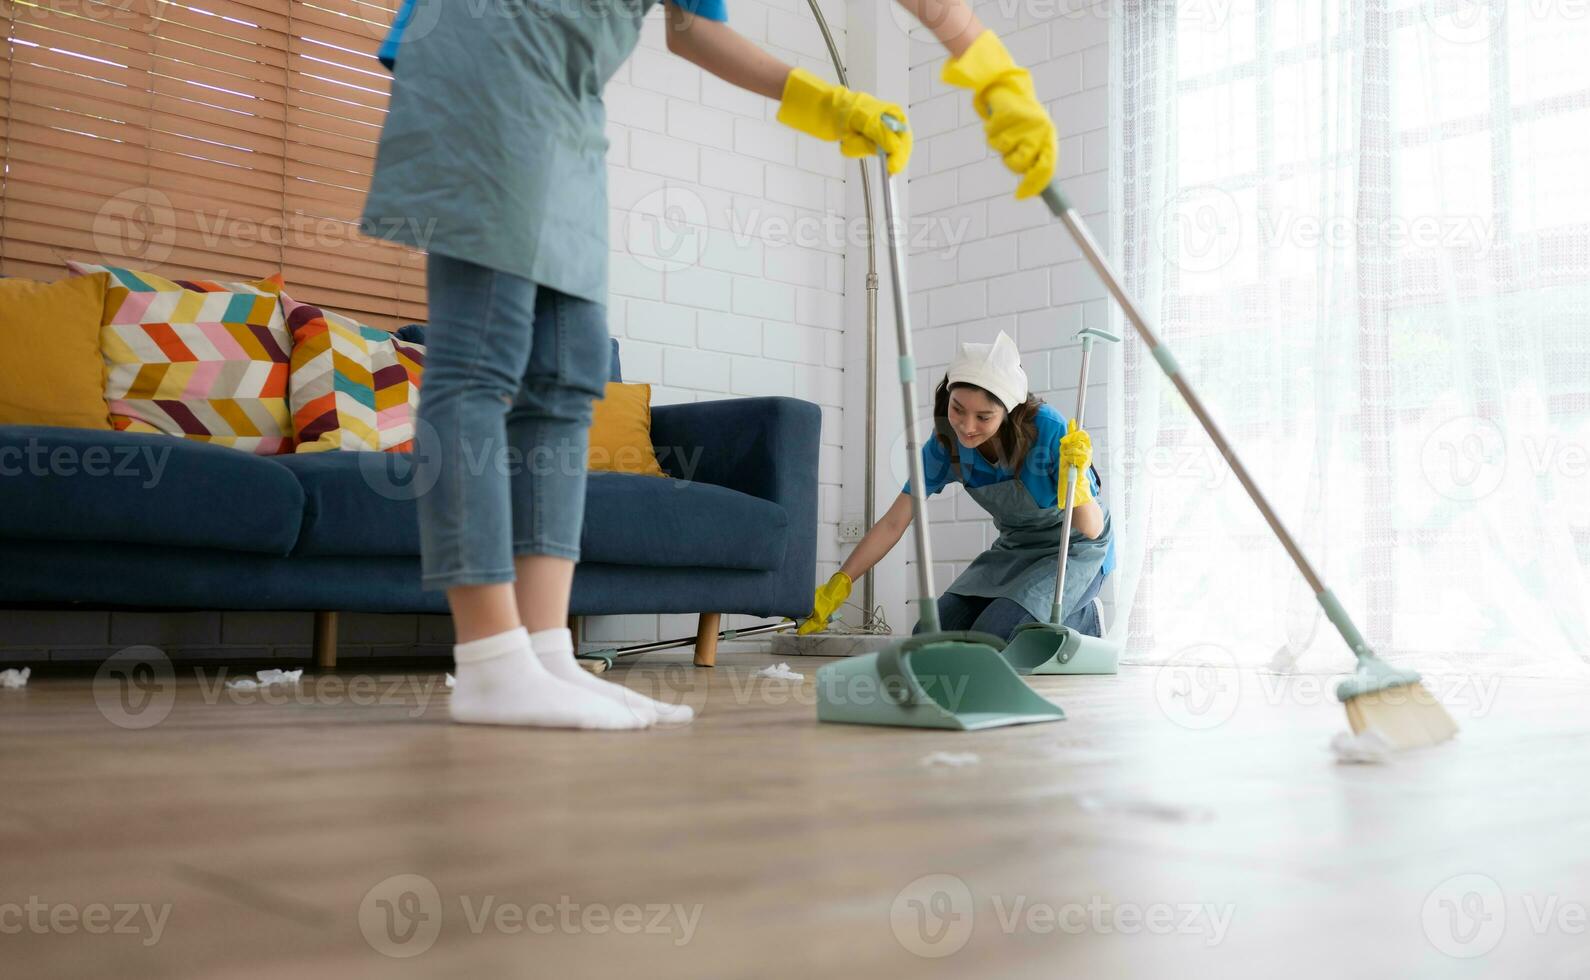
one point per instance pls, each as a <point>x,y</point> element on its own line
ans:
<point>1364,228</point>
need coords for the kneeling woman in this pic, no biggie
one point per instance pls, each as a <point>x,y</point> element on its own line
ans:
<point>1011,452</point>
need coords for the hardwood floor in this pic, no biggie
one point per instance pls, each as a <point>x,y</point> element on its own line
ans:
<point>237,838</point>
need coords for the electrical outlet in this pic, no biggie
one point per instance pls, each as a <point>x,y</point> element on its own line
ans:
<point>850,530</point>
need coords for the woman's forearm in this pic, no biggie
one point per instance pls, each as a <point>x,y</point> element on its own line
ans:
<point>1088,518</point>
<point>951,21</point>
<point>880,539</point>
<point>870,550</point>
<point>717,48</point>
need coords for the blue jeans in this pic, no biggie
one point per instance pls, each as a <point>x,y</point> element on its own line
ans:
<point>1001,616</point>
<point>511,370</point>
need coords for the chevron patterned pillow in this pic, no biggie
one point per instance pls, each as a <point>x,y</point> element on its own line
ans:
<point>351,386</point>
<point>198,359</point>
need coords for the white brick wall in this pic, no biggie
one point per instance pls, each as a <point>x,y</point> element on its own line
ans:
<point>726,279</point>
<point>1014,268</point>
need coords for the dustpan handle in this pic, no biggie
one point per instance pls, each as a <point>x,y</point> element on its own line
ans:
<point>1333,608</point>
<point>913,446</point>
<point>1072,475</point>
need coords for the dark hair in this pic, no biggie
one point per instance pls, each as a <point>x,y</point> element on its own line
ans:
<point>1015,437</point>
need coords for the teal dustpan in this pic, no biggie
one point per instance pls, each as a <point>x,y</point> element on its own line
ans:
<point>1050,648</point>
<point>933,680</point>
<point>956,681</point>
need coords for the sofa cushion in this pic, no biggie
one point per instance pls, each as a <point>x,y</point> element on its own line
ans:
<point>351,386</point>
<point>195,358</point>
<point>362,504</point>
<point>643,520</point>
<point>51,372</point>
<point>61,484</point>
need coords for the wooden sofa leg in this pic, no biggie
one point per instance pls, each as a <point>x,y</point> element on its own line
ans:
<point>325,639</point>
<point>707,640</point>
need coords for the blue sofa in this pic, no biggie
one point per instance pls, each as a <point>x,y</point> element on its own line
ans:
<point>94,519</point>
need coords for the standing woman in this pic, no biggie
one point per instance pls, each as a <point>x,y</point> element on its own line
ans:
<point>492,160</point>
<point>1011,452</point>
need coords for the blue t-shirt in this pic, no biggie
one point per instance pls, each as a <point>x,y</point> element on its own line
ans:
<point>1040,470</point>
<point>711,9</point>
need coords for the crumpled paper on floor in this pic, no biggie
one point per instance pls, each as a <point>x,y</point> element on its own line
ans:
<point>1365,748</point>
<point>264,678</point>
<point>954,759</point>
<point>780,672</point>
<point>451,681</point>
<point>11,677</point>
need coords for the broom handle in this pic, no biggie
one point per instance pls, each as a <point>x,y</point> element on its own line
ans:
<point>1090,250</point>
<point>1071,488</point>
<point>913,446</point>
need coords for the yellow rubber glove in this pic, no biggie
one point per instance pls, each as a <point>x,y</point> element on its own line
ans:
<point>1016,124</point>
<point>830,596</point>
<point>833,112</point>
<point>1076,449</point>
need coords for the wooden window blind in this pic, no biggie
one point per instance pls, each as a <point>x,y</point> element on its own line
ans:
<point>202,138</point>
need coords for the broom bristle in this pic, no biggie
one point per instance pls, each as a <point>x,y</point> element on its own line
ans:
<point>1407,716</point>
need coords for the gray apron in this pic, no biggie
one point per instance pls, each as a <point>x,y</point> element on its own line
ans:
<point>1022,562</point>
<point>493,149</point>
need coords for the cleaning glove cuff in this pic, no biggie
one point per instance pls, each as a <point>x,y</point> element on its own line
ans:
<point>833,112</point>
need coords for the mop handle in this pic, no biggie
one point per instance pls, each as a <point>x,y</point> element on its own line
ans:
<point>913,446</point>
<point>1072,474</point>
<point>1090,250</point>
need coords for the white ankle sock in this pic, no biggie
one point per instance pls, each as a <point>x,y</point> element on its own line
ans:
<point>555,649</point>
<point>501,682</point>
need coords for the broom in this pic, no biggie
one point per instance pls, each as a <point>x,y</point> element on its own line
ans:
<point>1389,700</point>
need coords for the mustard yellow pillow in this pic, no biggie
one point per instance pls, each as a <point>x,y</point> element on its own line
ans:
<point>621,432</point>
<point>51,371</point>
